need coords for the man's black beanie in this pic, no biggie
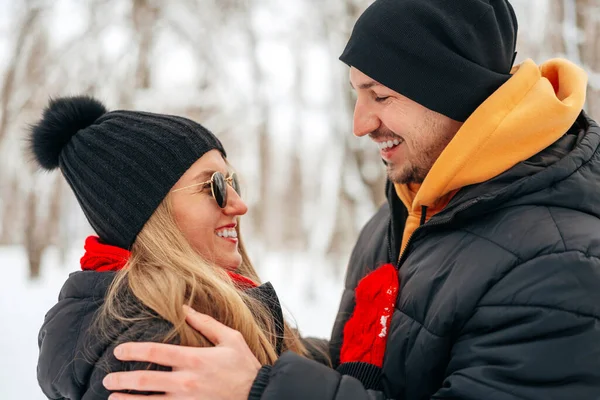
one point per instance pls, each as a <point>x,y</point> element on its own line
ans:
<point>447,55</point>
<point>120,164</point>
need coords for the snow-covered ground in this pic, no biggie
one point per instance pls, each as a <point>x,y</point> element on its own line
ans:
<point>23,304</point>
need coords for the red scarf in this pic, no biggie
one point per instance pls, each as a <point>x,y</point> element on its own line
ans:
<point>103,257</point>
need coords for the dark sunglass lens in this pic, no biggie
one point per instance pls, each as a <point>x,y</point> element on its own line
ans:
<point>219,189</point>
<point>235,184</point>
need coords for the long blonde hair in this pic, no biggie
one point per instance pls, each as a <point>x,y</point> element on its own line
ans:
<point>164,273</point>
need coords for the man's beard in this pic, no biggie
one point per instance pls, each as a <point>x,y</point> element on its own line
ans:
<point>406,175</point>
<point>422,155</point>
<point>412,175</point>
<point>415,168</point>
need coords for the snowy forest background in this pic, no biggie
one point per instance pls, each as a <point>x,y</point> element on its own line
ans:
<point>264,76</point>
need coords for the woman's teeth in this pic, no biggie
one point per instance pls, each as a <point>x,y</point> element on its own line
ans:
<point>389,144</point>
<point>227,233</point>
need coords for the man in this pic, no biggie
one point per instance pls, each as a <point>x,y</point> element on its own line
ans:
<point>480,279</point>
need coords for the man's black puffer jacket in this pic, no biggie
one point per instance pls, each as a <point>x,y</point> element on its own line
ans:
<point>499,293</point>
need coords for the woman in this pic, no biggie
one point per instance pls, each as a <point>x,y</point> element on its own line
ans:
<point>159,193</point>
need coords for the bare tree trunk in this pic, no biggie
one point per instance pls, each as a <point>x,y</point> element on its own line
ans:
<point>555,31</point>
<point>41,232</point>
<point>589,50</point>
<point>24,72</point>
<point>8,87</point>
<point>60,213</point>
<point>144,20</point>
<point>37,235</point>
<point>264,156</point>
<point>260,214</point>
<point>54,216</point>
<point>33,244</point>
<point>10,213</point>
<point>294,235</point>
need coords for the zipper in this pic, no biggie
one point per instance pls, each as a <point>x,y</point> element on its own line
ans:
<point>423,215</point>
<point>424,225</point>
<point>421,223</point>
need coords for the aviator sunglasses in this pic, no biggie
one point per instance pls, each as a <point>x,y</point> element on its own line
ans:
<point>218,187</point>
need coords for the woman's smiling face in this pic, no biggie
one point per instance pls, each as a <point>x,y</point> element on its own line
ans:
<point>210,229</point>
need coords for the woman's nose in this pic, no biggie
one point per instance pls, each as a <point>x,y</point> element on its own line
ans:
<point>235,204</point>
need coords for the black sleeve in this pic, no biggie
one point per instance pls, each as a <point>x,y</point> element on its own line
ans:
<point>153,331</point>
<point>297,378</point>
<point>535,335</point>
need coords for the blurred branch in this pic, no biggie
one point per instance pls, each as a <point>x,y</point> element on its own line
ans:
<point>11,208</point>
<point>144,20</point>
<point>25,30</point>
<point>588,23</point>
<point>261,108</point>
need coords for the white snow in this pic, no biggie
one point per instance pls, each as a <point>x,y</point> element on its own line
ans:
<point>23,304</point>
<point>383,322</point>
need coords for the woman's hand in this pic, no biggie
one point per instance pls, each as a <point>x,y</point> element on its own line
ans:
<point>223,372</point>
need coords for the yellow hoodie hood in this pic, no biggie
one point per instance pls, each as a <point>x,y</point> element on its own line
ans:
<point>528,113</point>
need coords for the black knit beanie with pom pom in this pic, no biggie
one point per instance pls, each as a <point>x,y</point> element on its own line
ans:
<point>120,164</point>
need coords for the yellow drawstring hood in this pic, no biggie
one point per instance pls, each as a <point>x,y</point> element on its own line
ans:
<point>528,113</point>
